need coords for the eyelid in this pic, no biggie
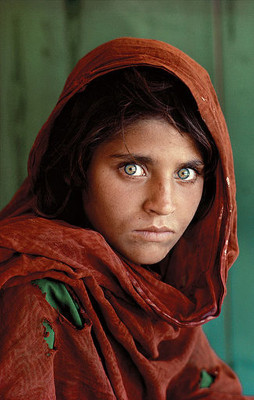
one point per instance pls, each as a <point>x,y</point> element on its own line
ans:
<point>197,166</point>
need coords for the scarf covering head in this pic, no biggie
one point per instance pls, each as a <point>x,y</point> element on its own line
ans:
<point>128,296</point>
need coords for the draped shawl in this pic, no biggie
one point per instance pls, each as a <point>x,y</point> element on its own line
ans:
<point>141,337</point>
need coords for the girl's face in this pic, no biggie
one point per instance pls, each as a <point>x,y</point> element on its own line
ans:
<point>144,189</point>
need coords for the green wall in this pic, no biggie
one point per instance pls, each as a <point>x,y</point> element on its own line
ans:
<point>41,40</point>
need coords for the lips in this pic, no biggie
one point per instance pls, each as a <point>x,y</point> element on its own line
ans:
<point>157,229</point>
<point>154,233</point>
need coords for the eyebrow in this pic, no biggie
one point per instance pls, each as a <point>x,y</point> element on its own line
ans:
<point>193,164</point>
<point>148,160</point>
<point>133,157</point>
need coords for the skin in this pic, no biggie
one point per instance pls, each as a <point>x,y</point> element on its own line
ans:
<point>144,190</point>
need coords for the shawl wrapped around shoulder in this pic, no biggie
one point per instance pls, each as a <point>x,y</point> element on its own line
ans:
<point>140,337</point>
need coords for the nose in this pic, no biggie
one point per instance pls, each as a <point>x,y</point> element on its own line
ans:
<point>160,198</point>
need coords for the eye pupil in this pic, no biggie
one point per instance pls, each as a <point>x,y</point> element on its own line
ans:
<point>130,169</point>
<point>184,173</point>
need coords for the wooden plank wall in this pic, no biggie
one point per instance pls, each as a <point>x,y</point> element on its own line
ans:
<point>41,40</point>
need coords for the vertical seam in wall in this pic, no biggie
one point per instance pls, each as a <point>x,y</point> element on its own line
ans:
<point>218,50</point>
<point>217,14</point>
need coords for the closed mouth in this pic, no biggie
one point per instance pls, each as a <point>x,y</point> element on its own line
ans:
<point>154,234</point>
<point>156,229</point>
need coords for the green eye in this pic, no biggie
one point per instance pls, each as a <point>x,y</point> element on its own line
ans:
<point>185,173</point>
<point>133,170</point>
<point>130,169</point>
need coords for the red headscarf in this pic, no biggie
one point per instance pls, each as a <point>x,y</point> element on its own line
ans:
<point>140,323</point>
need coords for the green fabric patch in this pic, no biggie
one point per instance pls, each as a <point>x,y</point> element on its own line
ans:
<point>50,334</point>
<point>59,298</point>
<point>206,379</point>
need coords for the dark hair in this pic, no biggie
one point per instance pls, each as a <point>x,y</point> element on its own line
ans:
<point>107,105</point>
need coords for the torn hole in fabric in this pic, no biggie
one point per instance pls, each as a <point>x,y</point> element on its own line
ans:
<point>58,296</point>
<point>206,379</point>
<point>49,334</point>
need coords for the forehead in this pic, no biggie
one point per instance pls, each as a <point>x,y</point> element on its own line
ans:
<point>151,136</point>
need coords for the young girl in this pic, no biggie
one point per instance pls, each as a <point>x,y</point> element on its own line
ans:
<point>116,248</point>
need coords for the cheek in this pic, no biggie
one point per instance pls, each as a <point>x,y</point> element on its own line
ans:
<point>103,205</point>
<point>195,199</point>
<point>190,203</point>
<point>196,196</point>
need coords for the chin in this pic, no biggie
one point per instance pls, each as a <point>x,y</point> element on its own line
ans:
<point>146,259</point>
